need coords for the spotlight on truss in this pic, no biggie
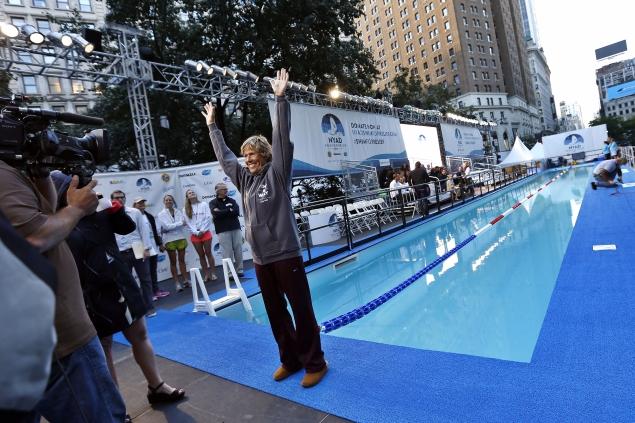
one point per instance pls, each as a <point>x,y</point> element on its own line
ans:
<point>59,39</point>
<point>204,67</point>
<point>9,30</point>
<point>230,73</point>
<point>33,35</point>
<point>335,92</point>
<point>79,41</point>
<point>248,76</point>
<point>191,64</point>
<point>218,70</point>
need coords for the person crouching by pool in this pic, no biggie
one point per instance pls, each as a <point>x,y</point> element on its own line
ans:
<point>270,229</point>
<point>198,219</point>
<point>606,172</point>
<point>172,232</point>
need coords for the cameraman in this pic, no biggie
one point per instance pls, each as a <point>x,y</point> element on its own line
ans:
<point>80,388</point>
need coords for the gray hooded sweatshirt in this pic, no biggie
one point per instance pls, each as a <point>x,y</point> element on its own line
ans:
<point>270,226</point>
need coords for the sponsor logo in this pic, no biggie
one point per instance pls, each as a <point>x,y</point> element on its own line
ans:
<point>188,185</point>
<point>116,181</point>
<point>263,193</point>
<point>457,134</point>
<point>160,258</point>
<point>216,248</point>
<point>206,172</point>
<point>165,177</point>
<point>186,174</point>
<point>332,127</point>
<point>208,197</point>
<point>421,138</point>
<point>232,192</point>
<point>209,183</point>
<point>574,139</point>
<point>144,184</point>
<point>226,179</point>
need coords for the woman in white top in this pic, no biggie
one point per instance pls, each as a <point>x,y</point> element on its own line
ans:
<point>174,239</point>
<point>198,218</point>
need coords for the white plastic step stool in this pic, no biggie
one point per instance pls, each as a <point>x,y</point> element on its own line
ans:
<point>232,294</point>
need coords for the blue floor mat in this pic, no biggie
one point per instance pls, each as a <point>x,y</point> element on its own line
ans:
<point>582,368</point>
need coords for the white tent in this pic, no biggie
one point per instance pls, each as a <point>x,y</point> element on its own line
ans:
<point>519,154</point>
<point>538,152</point>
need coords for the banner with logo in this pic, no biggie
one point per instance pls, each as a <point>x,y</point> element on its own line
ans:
<point>324,136</point>
<point>461,140</point>
<point>585,140</point>
<point>422,144</point>
<point>154,185</point>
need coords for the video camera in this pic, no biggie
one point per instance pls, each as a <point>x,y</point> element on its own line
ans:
<point>27,141</point>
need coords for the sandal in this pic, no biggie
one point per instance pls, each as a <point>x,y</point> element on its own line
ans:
<point>155,397</point>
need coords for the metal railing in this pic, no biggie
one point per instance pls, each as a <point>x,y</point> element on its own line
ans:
<point>336,225</point>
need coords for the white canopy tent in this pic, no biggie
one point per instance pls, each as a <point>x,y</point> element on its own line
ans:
<point>538,152</point>
<point>519,154</point>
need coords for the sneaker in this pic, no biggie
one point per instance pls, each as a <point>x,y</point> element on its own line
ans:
<point>594,185</point>
<point>179,287</point>
<point>161,293</point>
<point>151,314</point>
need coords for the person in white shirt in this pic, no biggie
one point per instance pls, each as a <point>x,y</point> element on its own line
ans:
<point>398,187</point>
<point>172,225</point>
<point>198,219</point>
<point>125,243</point>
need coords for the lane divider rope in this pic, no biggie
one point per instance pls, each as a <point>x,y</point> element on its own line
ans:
<point>359,312</point>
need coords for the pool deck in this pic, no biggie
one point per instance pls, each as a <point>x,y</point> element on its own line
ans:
<point>582,369</point>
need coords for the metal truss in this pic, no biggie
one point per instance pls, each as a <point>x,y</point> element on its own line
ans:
<point>127,67</point>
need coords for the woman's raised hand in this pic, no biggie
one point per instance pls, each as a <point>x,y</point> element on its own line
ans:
<point>279,85</point>
<point>209,113</point>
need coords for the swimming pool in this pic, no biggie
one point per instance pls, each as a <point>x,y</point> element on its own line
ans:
<point>489,299</point>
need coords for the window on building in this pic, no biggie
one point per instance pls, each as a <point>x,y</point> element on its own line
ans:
<point>63,4</point>
<point>489,38</point>
<point>464,20</point>
<point>427,78</point>
<point>446,25</point>
<point>29,84</point>
<point>477,88</point>
<point>17,21</point>
<point>55,85</point>
<point>38,3</point>
<point>14,2</point>
<point>469,48</point>
<point>78,87</point>
<point>451,52</point>
<point>81,109</point>
<point>467,34</point>
<point>478,99</point>
<point>491,50</point>
<point>457,80</point>
<point>486,25</point>
<point>58,109</point>
<point>444,11</point>
<point>474,75</point>
<point>502,113</point>
<point>462,7</point>
<point>85,6</point>
<point>453,66</point>
<point>471,61</point>
<point>449,38</point>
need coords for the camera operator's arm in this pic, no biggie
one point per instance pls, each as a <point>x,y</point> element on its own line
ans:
<point>47,189</point>
<point>56,227</point>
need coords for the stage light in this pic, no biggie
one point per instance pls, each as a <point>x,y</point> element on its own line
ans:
<point>191,64</point>
<point>335,92</point>
<point>246,75</point>
<point>9,30</point>
<point>230,73</point>
<point>82,43</point>
<point>219,70</point>
<point>204,68</point>
<point>33,35</point>
<point>62,40</point>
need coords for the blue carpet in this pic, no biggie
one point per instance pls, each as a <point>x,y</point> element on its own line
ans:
<point>582,369</point>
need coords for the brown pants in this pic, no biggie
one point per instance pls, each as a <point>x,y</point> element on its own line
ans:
<point>299,346</point>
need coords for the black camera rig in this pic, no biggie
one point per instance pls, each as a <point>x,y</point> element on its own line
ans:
<point>28,142</point>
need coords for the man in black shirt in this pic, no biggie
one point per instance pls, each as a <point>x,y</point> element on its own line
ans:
<point>225,213</point>
<point>419,179</point>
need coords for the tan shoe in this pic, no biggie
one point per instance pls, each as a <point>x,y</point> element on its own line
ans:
<point>282,373</point>
<point>311,379</point>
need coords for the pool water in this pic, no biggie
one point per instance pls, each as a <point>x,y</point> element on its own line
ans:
<point>489,299</point>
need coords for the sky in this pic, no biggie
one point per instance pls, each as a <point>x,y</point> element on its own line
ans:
<point>570,31</point>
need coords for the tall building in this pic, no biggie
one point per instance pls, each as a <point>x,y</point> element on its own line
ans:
<point>57,93</point>
<point>570,117</point>
<point>616,86</point>
<point>530,28</point>
<point>456,44</point>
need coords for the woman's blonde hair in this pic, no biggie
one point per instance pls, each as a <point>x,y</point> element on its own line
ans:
<point>173,200</point>
<point>259,144</point>
<point>188,205</point>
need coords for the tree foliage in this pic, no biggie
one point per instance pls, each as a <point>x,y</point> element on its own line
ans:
<point>314,39</point>
<point>622,130</point>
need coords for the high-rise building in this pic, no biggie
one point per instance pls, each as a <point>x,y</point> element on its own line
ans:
<point>457,44</point>
<point>530,28</point>
<point>570,117</point>
<point>616,86</point>
<point>57,93</point>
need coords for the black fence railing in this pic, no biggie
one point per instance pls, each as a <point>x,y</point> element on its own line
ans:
<point>331,226</point>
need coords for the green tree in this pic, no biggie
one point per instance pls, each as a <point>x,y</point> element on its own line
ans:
<point>622,130</point>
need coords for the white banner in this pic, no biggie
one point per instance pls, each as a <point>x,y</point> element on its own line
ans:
<point>461,140</point>
<point>154,184</point>
<point>422,145</point>
<point>323,137</point>
<point>584,140</point>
